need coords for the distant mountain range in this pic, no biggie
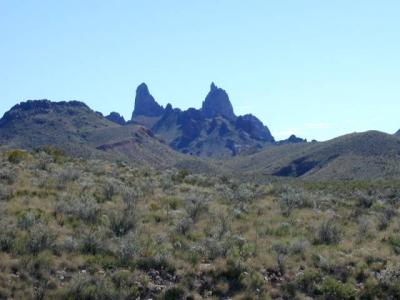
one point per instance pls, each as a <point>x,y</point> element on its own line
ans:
<point>212,131</point>
<point>212,139</point>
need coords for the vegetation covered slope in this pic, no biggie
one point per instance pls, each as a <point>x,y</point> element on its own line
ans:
<point>91,229</point>
<point>357,156</point>
<point>78,130</point>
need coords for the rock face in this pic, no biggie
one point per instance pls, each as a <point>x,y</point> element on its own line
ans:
<point>145,105</point>
<point>397,133</point>
<point>254,127</point>
<point>116,118</point>
<point>217,104</point>
<point>212,131</point>
<point>292,140</point>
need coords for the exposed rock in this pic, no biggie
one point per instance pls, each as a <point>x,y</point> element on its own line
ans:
<point>145,105</point>
<point>217,103</point>
<point>397,133</point>
<point>292,140</point>
<point>254,127</point>
<point>116,118</point>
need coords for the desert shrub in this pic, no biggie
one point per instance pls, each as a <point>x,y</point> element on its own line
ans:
<point>88,287</point>
<point>245,193</point>
<point>157,262</point>
<point>389,281</point>
<point>91,242</point>
<point>7,175</point>
<point>215,248</point>
<point>5,193</point>
<point>7,234</point>
<point>109,188</point>
<point>281,251</point>
<point>299,247</point>
<point>84,208</point>
<point>127,249</point>
<point>308,282</point>
<point>38,238</point>
<point>336,290</point>
<point>364,227</point>
<point>195,204</point>
<point>67,174</point>
<point>394,241</point>
<point>183,226</point>
<point>121,222</point>
<point>130,196</point>
<point>290,199</point>
<point>16,156</point>
<point>27,218</point>
<point>174,293</point>
<point>364,199</point>
<point>328,233</point>
<point>385,217</point>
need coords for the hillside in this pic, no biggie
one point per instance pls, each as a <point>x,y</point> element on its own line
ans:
<point>79,131</point>
<point>94,229</point>
<point>357,156</point>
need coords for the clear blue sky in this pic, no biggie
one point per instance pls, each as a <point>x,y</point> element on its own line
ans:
<point>314,68</point>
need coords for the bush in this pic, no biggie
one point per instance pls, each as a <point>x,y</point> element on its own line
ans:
<point>174,293</point>
<point>7,235</point>
<point>39,238</point>
<point>184,225</point>
<point>91,242</point>
<point>5,193</point>
<point>121,222</point>
<point>87,287</point>
<point>336,290</point>
<point>16,156</point>
<point>84,208</point>
<point>328,233</point>
<point>196,204</point>
<point>127,249</point>
<point>7,175</point>
<point>28,218</point>
<point>290,199</point>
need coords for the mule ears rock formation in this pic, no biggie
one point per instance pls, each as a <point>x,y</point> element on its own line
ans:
<point>217,103</point>
<point>145,105</point>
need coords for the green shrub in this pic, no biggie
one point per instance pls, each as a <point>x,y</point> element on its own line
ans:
<point>336,290</point>
<point>328,233</point>
<point>87,287</point>
<point>174,293</point>
<point>16,156</point>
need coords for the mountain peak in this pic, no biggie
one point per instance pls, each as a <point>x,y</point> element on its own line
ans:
<point>145,104</point>
<point>217,103</point>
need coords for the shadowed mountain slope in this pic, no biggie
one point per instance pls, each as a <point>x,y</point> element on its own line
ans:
<point>367,155</point>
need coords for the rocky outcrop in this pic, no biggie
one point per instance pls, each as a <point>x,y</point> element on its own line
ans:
<point>116,118</point>
<point>145,104</point>
<point>217,103</point>
<point>214,130</point>
<point>254,127</point>
<point>292,140</point>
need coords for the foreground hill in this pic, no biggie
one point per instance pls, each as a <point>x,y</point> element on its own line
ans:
<point>92,229</point>
<point>78,130</point>
<point>357,156</point>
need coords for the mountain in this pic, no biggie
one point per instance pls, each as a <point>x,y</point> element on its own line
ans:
<point>398,133</point>
<point>79,131</point>
<point>212,131</point>
<point>357,156</point>
<point>116,118</point>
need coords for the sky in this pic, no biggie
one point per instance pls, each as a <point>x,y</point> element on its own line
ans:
<point>317,69</point>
